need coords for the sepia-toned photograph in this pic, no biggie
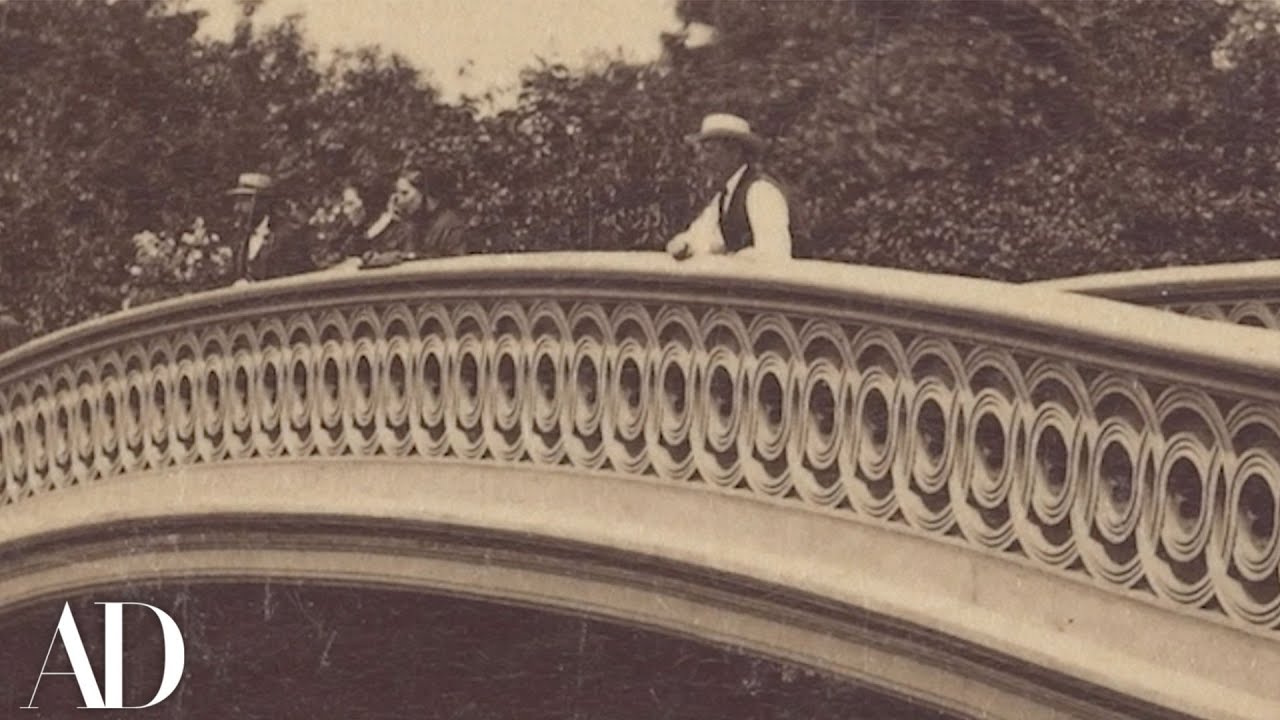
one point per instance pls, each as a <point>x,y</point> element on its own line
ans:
<point>640,359</point>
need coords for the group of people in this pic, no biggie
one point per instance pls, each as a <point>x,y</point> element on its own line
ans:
<point>748,217</point>
<point>417,222</point>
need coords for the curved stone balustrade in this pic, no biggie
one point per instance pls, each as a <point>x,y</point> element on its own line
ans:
<point>1142,467</point>
<point>1246,293</point>
<point>1101,443</point>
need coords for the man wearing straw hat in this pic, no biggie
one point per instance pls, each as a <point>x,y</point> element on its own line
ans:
<point>748,217</point>
<point>251,205</point>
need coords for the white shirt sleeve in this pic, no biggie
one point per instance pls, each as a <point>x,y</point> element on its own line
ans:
<point>702,237</point>
<point>770,222</point>
<point>259,237</point>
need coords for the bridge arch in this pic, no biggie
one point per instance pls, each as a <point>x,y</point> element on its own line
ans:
<point>978,495</point>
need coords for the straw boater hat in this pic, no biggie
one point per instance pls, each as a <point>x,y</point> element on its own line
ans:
<point>730,127</point>
<point>251,184</point>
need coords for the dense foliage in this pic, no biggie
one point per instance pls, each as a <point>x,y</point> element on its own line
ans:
<point>1006,139</point>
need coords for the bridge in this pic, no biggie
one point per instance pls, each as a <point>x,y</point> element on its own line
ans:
<point>996,501</point>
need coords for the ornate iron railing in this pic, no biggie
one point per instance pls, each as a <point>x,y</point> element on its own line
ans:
<point>1113,445</point>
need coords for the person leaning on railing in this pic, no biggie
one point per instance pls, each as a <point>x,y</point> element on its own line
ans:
<point>749,217</point>
<point>350,240</point>
<point>271,247</point>
<point>420,222</point>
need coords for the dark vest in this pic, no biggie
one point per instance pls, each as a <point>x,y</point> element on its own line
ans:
<point>735,226</point>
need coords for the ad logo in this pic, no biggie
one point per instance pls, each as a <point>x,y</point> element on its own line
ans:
<point>111,695</point>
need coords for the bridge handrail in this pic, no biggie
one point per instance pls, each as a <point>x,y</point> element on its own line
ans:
<point>1245,293</point>
<point>1111,444</point>
<point>1176,283</point>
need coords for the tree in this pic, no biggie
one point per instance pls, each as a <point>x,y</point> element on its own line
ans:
<point>87,88</point>
<point>1001,138</point>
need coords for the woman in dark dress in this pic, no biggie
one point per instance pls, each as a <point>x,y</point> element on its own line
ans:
<point>418,223</point>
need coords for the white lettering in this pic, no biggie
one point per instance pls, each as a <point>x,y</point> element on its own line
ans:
<point>112,695</point>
